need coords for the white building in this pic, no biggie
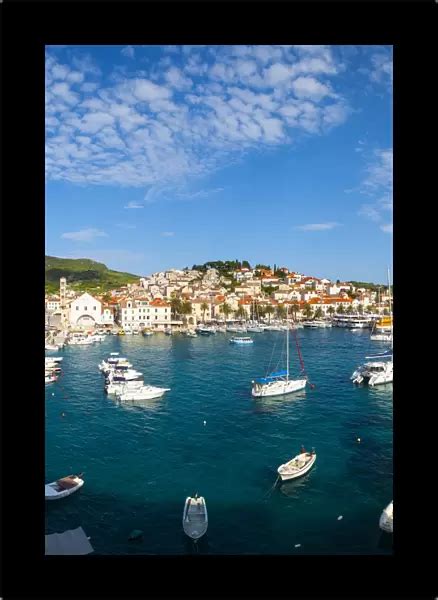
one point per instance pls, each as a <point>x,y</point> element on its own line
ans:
<point>140,313</point>
<point>85,311</point>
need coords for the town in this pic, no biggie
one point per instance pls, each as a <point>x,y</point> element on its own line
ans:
<point>178,300</point>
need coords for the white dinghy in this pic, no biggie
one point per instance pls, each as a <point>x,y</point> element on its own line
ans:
<point>298,466</point>
<point>63,487</point>
<point>385,521</point>
<point>195,517</point>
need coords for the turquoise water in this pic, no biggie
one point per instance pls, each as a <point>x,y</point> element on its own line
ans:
<point>140,463</point>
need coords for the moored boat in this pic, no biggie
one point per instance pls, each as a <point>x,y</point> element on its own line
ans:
<point>145,392</point>
<point>195,517</point>
<point>298,466</point>
<point>386,518</point>
<point>63,487</point>
<point>241,340</point>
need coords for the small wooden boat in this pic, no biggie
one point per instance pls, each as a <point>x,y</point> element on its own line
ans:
<point>195,518</point>
<point>298,466</point>
<point>385,522</point>
<point>63,487</point>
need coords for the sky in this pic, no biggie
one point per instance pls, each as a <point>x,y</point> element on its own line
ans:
<point>162,157</point>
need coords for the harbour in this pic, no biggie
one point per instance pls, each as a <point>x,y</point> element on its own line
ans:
<point>208,435</point>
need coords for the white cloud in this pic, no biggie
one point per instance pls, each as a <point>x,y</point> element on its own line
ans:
<point>309,87</point>
<point>168,233</point>
<point>134,205</point>
<point>129,51</point>
<point>164,126</point>
<point>84,235</point>
<point>317,226</point>
<point>386,228</point>
<point>377,185</point>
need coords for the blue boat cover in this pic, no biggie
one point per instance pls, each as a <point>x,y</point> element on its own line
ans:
<point>271,377</point>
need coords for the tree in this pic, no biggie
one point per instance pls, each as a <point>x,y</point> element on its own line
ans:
<point>240,312</point>
<point>319,313</point>
<point>204,308</point>
<point>350,309</point>
<point>360,309</point>
<point>308,311</point>
<point>265,267</point>
<point>280,311</point>
<point>186,309</point>
<point>225,309</point>
<point>269,310</point>
<point>245,264</point>
<point>295,307</point>
<point>341,309</point>
<point>175,306</point>
<point>331,310</point>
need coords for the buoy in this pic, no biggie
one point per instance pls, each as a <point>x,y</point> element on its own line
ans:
<point>340,518</point>
<point>205,422</point>
<point>358,439</point>
<point>297,545</point>
<point>62,414</point>
<point>53,393</point>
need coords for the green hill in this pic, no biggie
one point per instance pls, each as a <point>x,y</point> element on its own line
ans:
<point>83,274</point>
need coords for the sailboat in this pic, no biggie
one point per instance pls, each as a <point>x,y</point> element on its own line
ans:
<point>380,371</point>
<point>279,383</point>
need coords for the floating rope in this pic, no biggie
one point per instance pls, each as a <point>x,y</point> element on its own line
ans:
<point>271,489</point>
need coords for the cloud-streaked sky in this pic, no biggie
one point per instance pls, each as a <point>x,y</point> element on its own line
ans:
<point>166,156</point>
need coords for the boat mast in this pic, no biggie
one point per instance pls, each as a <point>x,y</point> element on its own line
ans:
<point>390,308</point>
<point>287,345</point>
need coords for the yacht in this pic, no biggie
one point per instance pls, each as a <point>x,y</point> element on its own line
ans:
<point>279,383</point>
<point>374,373</point>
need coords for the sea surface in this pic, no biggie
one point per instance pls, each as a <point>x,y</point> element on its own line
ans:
<point>209,436</point>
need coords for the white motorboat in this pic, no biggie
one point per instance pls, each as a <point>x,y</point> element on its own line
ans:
<point>81,341</point>
<point>145,392</point>
<point>51,347</point>
<point>279,382</point>
<point>116,388</point>
<point>374,373</point>
<point>123,375</point>
<point>255,329</point>
<point>168,331</point>
<point>50,378</point>
<point>50,359</point>
<point>273,328</point>
<point>386,518</point>
<point>351,321</point>
<point>195,517</point>
<point>191,333</point>
<point>206,330</point>
<point>381,337</point>
<point>63,487</point>
<point>316,323</point>
<point>113,362</point>
<point>298,466</point>
<point>241,340</point>
<point>147,332</point>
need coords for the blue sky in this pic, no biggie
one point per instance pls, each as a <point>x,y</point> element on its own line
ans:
<point>166,156</point>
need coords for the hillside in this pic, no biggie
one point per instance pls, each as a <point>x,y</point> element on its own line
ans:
<point>83,274</point>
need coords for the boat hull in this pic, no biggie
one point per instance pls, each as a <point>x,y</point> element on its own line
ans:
<point>288,476</point>
<point>64,493</point>
<point>386,519</point>
<point>278,388</point>
<point>195,518</point>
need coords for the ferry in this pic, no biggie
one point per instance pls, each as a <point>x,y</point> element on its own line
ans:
<point>351,321</point>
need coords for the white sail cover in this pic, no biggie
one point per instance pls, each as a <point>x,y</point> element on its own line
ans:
<point>73,541</point>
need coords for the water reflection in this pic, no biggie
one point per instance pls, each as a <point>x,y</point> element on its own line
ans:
<point>151,404</point>
<point>273,403</point>
<point>293,488</point>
